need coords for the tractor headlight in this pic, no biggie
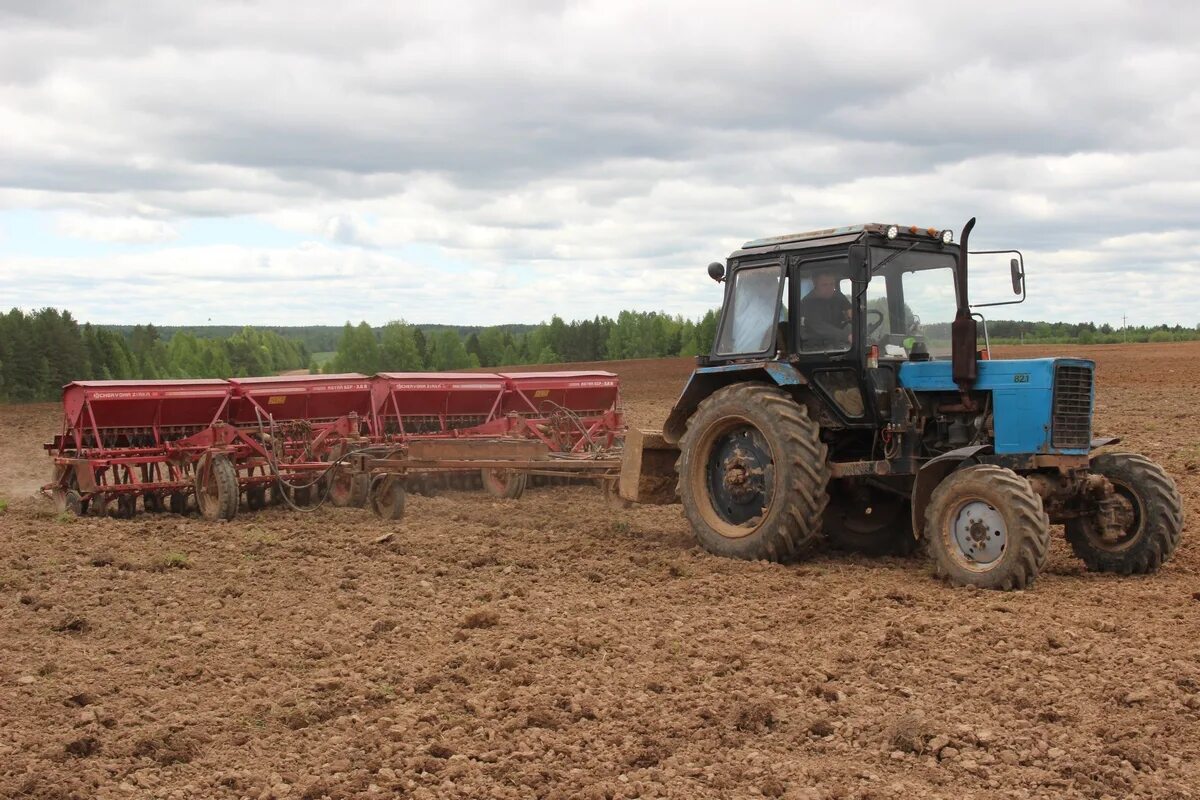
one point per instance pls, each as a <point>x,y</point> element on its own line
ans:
<point>892,232</point>
<point>947,236</point>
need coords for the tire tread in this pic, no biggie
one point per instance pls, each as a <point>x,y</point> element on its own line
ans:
<point>797,531</point>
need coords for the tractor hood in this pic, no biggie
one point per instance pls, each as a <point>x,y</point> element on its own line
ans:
<point>1040,405</point>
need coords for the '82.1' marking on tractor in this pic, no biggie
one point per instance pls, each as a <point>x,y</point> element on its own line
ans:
<point>1021,377</point>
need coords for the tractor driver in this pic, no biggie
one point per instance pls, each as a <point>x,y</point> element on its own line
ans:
<point>825,315</point>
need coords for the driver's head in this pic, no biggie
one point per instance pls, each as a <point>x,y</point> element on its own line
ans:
<point>825,284</point>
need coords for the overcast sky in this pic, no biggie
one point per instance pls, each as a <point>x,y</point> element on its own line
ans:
<point>477,163</point>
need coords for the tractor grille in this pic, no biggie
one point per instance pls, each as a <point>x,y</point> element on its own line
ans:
<point>1072,423</point>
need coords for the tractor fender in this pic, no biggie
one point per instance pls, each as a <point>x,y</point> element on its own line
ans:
<point>933,472</point>
<point>706,380</point>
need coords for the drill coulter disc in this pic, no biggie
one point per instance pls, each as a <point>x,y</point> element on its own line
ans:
<point>507,484</point>
<point>387,496</point>
<point>349,489</point>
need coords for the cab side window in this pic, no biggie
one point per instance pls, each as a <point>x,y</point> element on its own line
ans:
<point>825,311</point>
<point>748,325</point>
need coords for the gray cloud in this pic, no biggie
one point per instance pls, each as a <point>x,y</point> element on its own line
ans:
<point>586,143</point>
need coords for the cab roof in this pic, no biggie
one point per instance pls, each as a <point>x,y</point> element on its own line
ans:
<point>824,233</point>
<point>843,235</point>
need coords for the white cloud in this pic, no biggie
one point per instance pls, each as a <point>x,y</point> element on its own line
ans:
<point>598,153</point>
<point>114,229</point>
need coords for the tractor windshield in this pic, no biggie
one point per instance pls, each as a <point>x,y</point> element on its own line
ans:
<point>748,324</point>
<point>909,300</point>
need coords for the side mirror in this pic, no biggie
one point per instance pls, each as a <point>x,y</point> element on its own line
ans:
<point>1018,275</point>
<point>857,256</point>
<point>716,271</point>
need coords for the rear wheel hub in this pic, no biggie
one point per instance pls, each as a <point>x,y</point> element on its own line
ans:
<point>739,475</point>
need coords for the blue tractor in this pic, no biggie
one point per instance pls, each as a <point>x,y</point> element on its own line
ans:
<point>846,399</point>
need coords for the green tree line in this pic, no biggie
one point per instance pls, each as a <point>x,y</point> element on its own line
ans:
<point>317,338</point>
<point>43,350</point>
<point>1018,331</point>
<point>401,347</point>
<point>1003,331</point>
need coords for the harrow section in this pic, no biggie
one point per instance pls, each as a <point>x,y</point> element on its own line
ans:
<point>305,439</point>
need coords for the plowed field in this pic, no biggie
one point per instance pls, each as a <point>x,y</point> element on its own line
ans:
<point>554,647</point>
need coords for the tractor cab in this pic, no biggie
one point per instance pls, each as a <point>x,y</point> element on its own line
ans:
<point>844,308</point>
<point>830,295</point>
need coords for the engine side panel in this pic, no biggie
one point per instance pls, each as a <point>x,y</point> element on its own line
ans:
<point>1023,397</point>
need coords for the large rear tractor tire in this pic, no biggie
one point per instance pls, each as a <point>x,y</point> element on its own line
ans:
<point>387,496</point>
<point>1149,518</point>
<point>752,474</point>
<point>506,484</point>
<point>985,527</point>
<point>217,491</point>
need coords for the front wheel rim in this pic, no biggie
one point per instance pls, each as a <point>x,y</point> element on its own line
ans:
<point>1131,510</point>
<point>209,492</point>
<point>977,535</point>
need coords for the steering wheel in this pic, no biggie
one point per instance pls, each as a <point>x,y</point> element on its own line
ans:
<point>874,326</point>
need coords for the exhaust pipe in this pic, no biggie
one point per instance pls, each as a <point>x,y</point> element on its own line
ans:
<point>964,335</point>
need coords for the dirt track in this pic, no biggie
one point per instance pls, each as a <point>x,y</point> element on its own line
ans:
<point>553,647</point>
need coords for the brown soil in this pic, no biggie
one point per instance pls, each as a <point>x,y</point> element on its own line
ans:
<point>554,647</point>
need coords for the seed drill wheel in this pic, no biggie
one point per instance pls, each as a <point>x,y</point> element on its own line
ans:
<point>349,489</point>
<point>508,484</point>
<point>752,474</point>
<point>868,520</point>
<point>387,496</point>
<point>216,487</point>
<point>1145,521</point>
<point>985,527</point>
<point>66,496</point>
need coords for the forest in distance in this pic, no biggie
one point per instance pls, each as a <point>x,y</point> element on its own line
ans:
<point>42,350</point>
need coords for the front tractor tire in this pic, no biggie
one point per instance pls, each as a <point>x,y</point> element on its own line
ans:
<point>753,474</point>
<point>985,527</point>
<point>1144,523</point>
